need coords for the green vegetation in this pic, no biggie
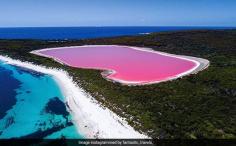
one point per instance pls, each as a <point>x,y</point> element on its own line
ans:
<point>196,106</point>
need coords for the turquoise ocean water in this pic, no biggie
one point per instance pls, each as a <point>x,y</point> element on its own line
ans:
<point>32,106</point>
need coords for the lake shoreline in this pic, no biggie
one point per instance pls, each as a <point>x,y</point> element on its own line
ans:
<point>200,64</point>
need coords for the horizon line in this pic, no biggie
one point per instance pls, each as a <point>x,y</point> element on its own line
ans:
<point>118,26</point>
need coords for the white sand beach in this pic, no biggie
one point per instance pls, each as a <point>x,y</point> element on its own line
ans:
<point>91,119</point>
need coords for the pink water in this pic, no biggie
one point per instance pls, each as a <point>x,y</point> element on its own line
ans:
<point>129,65</point>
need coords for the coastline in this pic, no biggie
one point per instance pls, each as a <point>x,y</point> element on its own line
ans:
<point>166,110</point>
<point>91,119</point>
<point>200,63</point>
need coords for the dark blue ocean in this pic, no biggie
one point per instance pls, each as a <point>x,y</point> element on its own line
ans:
<point>63,33</point>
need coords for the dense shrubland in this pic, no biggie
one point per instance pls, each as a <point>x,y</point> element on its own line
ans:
<point>196,106</point>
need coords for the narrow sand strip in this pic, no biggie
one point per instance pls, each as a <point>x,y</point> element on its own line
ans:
<point>91,119</point>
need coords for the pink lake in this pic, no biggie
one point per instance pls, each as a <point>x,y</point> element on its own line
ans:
<point>130,65</point>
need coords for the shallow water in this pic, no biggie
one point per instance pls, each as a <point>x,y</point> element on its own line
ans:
<point>129,65</point>
<point>32,105</point>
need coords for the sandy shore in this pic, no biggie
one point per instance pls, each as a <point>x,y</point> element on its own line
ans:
<point>201,64</point>
<point>91,119</point>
